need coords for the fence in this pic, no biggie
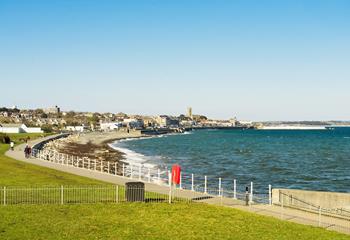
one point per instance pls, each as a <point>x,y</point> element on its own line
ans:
<point>148,174</point>
<point>87,195</point>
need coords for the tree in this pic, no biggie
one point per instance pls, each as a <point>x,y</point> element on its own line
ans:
<point>46,128</point>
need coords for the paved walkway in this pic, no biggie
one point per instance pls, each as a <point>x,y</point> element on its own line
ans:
<point>288,214</point>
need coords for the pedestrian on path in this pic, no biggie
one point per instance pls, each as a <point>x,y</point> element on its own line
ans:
<point>26,151</point>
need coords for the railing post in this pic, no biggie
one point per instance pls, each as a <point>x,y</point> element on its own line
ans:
<point>219,186</point>
<point>101,167</point>
<point>180,180</point>
<point>270,195</point>
<point>109,167</point>
<point>115,168</point>
<point>170,187</point>
<point>140,170</point>
<point>205,185</point>
<point>282,212</point>
<point>319,216</point>
<point>192,182</point>
<point>62,195</point>
<point>149,175</point>
<point>116,193</point>
<point>89,163</point>
<point>95,165</point>
<point>234,189</point>
<point>4,196</point>
<point>123,170</point>
<point>251,192</point>
<point>169,177</point>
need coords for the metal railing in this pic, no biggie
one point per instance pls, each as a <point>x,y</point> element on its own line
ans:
<point>310,213</point>
<point>143,173</point>
<point>87,195</point>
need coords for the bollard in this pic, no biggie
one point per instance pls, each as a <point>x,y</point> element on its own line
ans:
<point>158,174</point>
<point>109,167</point>
<point>219,186</point>
<point>270,195</point>
<point>247,196</point>
<point>101,167</point>
<point>234,189</point>
<point>115,168</point>
<point>205,185</point>
<point>123,170</point>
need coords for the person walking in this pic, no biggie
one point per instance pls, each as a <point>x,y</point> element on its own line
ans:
<point>12,145</point>
<point>26,151</point>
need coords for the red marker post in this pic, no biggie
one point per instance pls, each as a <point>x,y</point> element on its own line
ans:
<point>175,178</point>
<point>176,173</point>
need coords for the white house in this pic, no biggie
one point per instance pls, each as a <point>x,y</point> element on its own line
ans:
<point>18,128</point>
<point>110,126</point>
<point>75,128</point>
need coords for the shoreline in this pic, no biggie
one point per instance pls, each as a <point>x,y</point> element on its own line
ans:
<point>94,145</point>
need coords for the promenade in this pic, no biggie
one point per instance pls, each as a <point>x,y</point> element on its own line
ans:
<point>294,215</point>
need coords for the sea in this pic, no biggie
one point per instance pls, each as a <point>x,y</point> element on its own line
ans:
<point>294,159</point>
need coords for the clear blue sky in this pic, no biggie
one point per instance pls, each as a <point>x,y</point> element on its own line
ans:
<point>257,60</point>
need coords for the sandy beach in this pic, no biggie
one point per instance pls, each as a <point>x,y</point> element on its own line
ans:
<point>93,145</point>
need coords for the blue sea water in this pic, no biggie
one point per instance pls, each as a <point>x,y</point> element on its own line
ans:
<point>299,159</point>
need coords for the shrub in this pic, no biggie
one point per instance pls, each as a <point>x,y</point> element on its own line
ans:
<point>4,138</point>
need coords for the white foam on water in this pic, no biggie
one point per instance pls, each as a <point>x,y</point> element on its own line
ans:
<point>133,157</point>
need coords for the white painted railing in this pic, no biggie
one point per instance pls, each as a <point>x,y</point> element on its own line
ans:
<point>142,173</point>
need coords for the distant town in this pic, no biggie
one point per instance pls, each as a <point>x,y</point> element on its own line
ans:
<point>16,120</point>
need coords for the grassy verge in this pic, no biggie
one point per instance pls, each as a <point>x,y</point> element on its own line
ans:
<point>147,221</point>
<point>130,221</point>
<point>15,173</point>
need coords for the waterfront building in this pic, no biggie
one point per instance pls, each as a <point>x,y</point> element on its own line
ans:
<point>189,112</point>
<point>109,126</point>
<point>81,128</point>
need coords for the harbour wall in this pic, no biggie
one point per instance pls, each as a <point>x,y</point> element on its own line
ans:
<point>330,200</point>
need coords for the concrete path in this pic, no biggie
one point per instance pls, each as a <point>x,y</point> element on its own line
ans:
<point>288,214</point>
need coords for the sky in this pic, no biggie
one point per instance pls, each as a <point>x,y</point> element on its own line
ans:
<point>256,60</point>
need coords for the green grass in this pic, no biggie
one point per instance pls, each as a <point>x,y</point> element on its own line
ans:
<point>147,221</point>
<point>130,221</point>
<point>17,173</point>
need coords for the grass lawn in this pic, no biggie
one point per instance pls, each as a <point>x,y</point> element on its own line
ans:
<point>17,173</point>
<point>131,221</point>
<point>147,221</point>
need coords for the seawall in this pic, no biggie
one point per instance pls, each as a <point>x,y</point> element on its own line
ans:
<point>330,200</point>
